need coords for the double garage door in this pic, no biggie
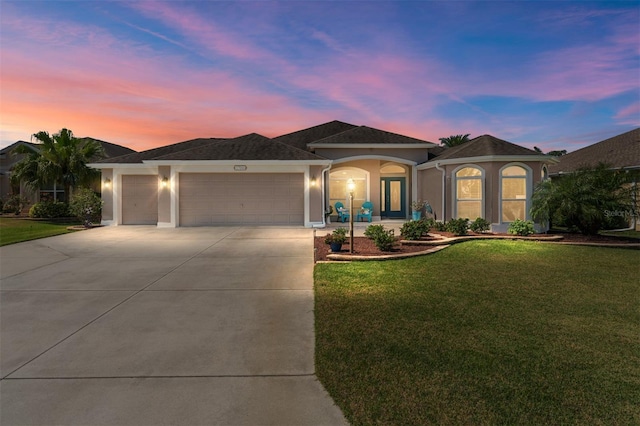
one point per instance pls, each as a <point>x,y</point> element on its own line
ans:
<point>241,198</point>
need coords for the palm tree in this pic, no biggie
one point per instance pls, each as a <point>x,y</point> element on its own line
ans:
<point>60,159</point>
<point>454,140</point>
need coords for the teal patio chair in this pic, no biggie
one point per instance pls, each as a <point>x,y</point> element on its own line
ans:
<point>366,211</point>
<point>343,213</point>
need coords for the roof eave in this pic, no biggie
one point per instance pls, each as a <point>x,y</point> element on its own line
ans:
<point>372,145</point>
<point>485,159</point>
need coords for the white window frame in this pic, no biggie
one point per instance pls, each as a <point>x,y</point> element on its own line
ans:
<point>455,188</point>
<point>528,188</point>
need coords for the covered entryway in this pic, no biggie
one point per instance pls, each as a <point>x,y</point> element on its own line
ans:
<point>139,199</point>
<point>241,198</point>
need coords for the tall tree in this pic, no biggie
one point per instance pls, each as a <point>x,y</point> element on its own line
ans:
<point>585,200</point>
<point>557,153</point>
<point>60,158</point>
<point>454,140</point>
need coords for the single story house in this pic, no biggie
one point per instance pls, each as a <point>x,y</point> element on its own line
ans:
<point>48,192</point>
<point>619,152</point>
<point>293,179</point>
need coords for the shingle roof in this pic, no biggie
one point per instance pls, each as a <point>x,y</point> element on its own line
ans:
<point>482,146</point>
<point>364,135</point>
<point>150,154</point>
<point>248,147</point>
<point>110,149</point>
<point>301,138</point>
<point>619,151</point>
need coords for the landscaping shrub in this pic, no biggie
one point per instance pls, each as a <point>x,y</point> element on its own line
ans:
<point>373,230</point>
<point>521,227</point>
<point>480,225</point>
<point>86,205</point>
<point>49,210</point>
<point>14,204</point>
<point>339,235</point>
<point>414,229</point>
<point>585,200</point>
<point>439,226</point>
<point>383,239</point>
<point>458,226</point>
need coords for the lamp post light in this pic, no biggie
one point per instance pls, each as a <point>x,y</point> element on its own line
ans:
<point>351,186</point>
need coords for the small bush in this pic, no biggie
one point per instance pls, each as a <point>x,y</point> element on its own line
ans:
<point>439,226</point>
<point>86,205</point>
<point>373,230</point>
<point>521,227</point>
<point>49,210</point>
<point>480,225</point>
<point>414,229</point>
<point>383,239</point>
<point>458,226</point>
<point>14,204</point>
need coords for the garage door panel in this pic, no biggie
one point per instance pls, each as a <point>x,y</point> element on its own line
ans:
<point>235,199</point>
<point>139,199</point>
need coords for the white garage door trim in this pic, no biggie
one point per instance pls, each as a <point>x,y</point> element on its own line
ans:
<point>240,199</point>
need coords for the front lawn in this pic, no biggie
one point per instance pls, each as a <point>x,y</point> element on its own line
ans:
<point>13,230</point>
<point>483,332</point>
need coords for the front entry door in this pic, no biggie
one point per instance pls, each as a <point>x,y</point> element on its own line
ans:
<point>392,197</point>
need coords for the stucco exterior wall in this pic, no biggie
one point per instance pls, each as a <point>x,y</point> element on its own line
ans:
<point>418,155</point>
<point>430,186</point>
<point>107,195</point>
<point>164,195</point>
<point>315,194</point>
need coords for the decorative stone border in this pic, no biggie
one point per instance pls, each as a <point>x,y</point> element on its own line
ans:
<point>350,257</point>
<point>444,242</point>
<point>453,240</point>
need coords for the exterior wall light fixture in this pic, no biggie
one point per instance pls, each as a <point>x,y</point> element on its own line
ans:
<point>165,181</point>
<point>107,183</point>
<point>313,181</point>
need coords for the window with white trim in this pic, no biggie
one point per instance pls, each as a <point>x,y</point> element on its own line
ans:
<point>338,187</point>
<point>514,193</point>
<point>469,193</point>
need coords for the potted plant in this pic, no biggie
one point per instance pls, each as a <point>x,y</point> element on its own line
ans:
<point>336,239</point>
<point>417,207</point>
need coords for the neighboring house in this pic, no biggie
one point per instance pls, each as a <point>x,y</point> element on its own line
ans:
<point>292,179</point>
<point>619,152</point>
<point>49,192</point>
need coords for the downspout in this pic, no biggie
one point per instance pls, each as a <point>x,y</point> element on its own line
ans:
<point>444,187</point>
<point>324,200</point>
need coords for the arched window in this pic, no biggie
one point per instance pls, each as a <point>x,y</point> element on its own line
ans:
<point>469,193</point>
<point>514,196</point>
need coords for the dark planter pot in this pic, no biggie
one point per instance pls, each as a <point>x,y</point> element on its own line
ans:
<point>336,247</point>
<point>416,215</point>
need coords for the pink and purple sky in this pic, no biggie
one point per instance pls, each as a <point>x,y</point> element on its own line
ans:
<point>558,75</point>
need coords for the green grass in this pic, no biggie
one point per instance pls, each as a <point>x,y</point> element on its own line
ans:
<point>17,230</point>
<point>484,332</point>
<point>628,234</point>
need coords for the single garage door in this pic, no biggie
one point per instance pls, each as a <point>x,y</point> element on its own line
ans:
<point>241,198</point>
<point>139,199</point>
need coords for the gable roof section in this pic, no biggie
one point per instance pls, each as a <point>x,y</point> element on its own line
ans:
<point>363,136</point>
<point>110,149</point>
<point>247,148</point>
<point>150,154</point>
<point>622,151</point>
<point>483,146</point>
<point>301,138</point>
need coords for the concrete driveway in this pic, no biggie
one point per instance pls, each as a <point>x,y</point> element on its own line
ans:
<point>147,326</point>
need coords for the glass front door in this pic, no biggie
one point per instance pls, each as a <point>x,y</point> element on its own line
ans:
<point>392,197</point>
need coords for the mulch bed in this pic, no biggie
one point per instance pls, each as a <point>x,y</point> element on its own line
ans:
<point>365,247</point>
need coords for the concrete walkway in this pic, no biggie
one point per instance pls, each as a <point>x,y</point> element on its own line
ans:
<point>146,326</point>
